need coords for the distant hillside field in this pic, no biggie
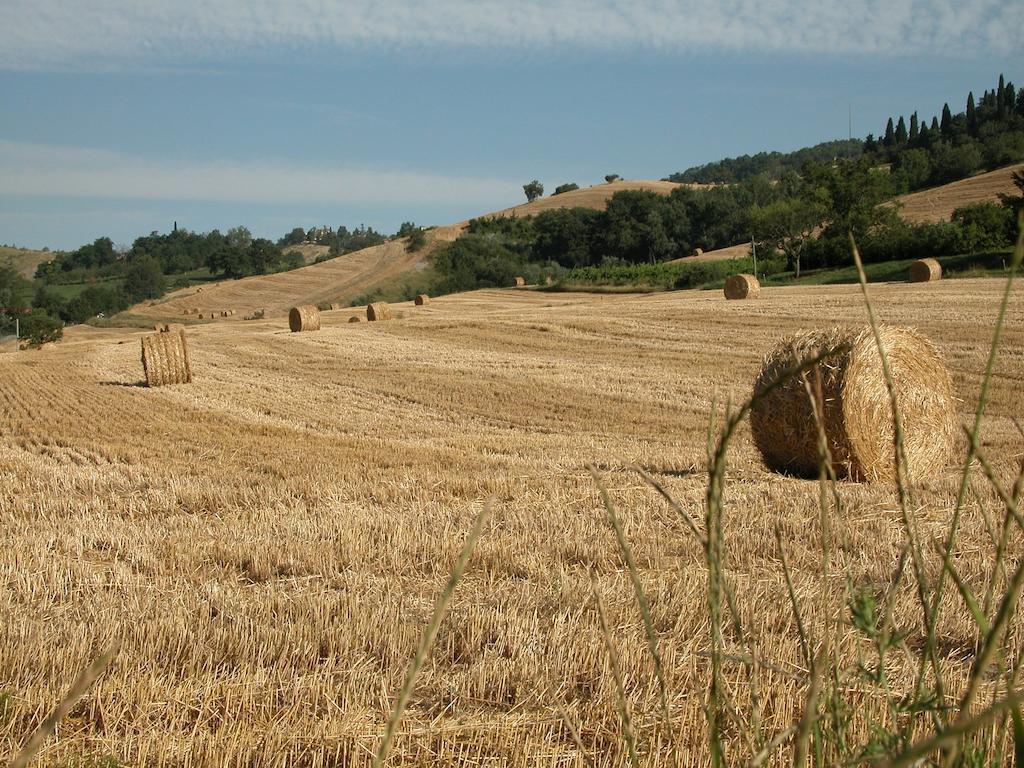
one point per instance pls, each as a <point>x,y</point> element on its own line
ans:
<point>25,260</point>
<point>310,251</point>
<point>348,276</point>
<point>930,205</point>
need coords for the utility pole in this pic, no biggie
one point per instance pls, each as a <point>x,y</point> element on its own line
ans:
<point>849,106</point>
<point>17,334</point>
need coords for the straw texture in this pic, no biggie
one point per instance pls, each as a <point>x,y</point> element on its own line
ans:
<point>304,318</point>
<point>925,271</point>
<point>379,310</point>
<point>520,281</point>
<point>357,319</point>
<point>742,287</point>
<point>853,401</point>
<point>421,299</point>
<point>165,358</point>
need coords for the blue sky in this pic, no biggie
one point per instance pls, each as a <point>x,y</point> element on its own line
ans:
<point>119,118</point>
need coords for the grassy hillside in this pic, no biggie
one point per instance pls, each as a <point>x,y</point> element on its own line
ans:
<point>24,260</point>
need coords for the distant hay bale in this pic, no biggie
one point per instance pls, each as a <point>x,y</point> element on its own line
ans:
<point>357,319</point>
<point>421,299</point>
<point>335,306</point>
<point>159,328</point>
<point>165,358</point>
<point>854,404</point>
<point>742,287</point>
<point>925,271</point>
<point>697,252</point>
<point>304,318</point>
<point>520,281</point>
<point>379,310</point>
<point>225,313</point>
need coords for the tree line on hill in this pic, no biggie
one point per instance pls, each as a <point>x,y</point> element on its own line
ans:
<point>986,135</point>
<point>801,219</point>
<point>114,279</point>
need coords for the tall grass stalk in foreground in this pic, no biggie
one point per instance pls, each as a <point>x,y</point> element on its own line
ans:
<point>428,638</point>
<point>77,690</point>
<point>820,735</point>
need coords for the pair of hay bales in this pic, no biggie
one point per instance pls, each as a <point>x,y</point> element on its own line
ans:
<point>165,358</point>
<point>307,316</point>
<point>852,400</point>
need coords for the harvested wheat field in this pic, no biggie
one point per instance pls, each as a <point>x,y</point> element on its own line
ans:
<point>937,204</point>
<point>267,543</point>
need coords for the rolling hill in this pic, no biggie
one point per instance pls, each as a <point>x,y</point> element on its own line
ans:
<point>24,260</point>
<point>346,277</point>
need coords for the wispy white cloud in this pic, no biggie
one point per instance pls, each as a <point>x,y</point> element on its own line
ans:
<point>56,171</point>
<point>60,33</point>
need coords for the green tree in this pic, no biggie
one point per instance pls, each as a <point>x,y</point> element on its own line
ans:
<point>915,128</point>
<point>296,237</point>
<point>569,187</point>
<point>901,132</point>
<point>144,280</point>
<point>533,190</point>
<point>972,115</point>
<point>787,226</point>
<point>612,177</point>
<point>15,296</point>
<point>38,328</point>
<point>239,237</point>
<point>910,170</point>
<point>946,126</point>
<point>890,134</point>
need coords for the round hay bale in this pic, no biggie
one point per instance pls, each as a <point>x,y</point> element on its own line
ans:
<point>165,358</point>
<point>697,252</point>
<point>854,404</point>
<point>225,313</point>
<point>304,318</point>
<point>335,306</point>
<point>421,299</point>
<point>379,310</point>
<point>357,319</point>
<point>925,271</point>
<point>520,282</point>
<point>742,287</point>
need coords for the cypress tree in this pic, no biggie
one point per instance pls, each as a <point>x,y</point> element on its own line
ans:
<point>901,132</point>
<point>889,137</point>
<point>935,125</point>
<point>1009,98</point>
<point>1020,102</point>
<point>972,115</point>
<point>914,128</point>
<point>999,95</point>
<point>947,120</point>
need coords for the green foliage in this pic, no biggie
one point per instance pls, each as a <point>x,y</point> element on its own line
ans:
<point>985,226</point>
<point>144,280</point>
<point>96,300</point>
<point>950,163</point>
<point>787,226</point>
<point>515,228</point>
<point>566,188</point>
<point>296,237</point>
<point>533,190</point>
<point>38,328</point>
<point>612,177</point>
<point>475,261</point>
<point>416,235</point>
<point>772,164</point>
<point>566,236</point>
<point>15,296</point>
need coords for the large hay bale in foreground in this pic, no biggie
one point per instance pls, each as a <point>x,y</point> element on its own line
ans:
<point>357,319</point>
<point>379,310</point>
<point>925,271</point>
<point>165,358</point>
<point>742,287</point>
<point>854,403</point>
<point>520,281</point>
<point>421,299</point>
<point>304,318</point>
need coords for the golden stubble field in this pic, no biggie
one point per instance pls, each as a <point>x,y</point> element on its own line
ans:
<point>268,542</point>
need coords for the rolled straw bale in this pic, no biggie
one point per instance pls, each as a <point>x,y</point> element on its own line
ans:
<point>165,358</point>
<point>520,281</point>
<point>379,310</point>
<point>421,299</point>
<point>742,287</point>
<point>357,319</point>
<point>697,252</point>
<point>925,271</point>
<point>159,328</point>
<point>224,313</point>
<point>853,400</point>
<point>304,318</point>
<point>335,306</point>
